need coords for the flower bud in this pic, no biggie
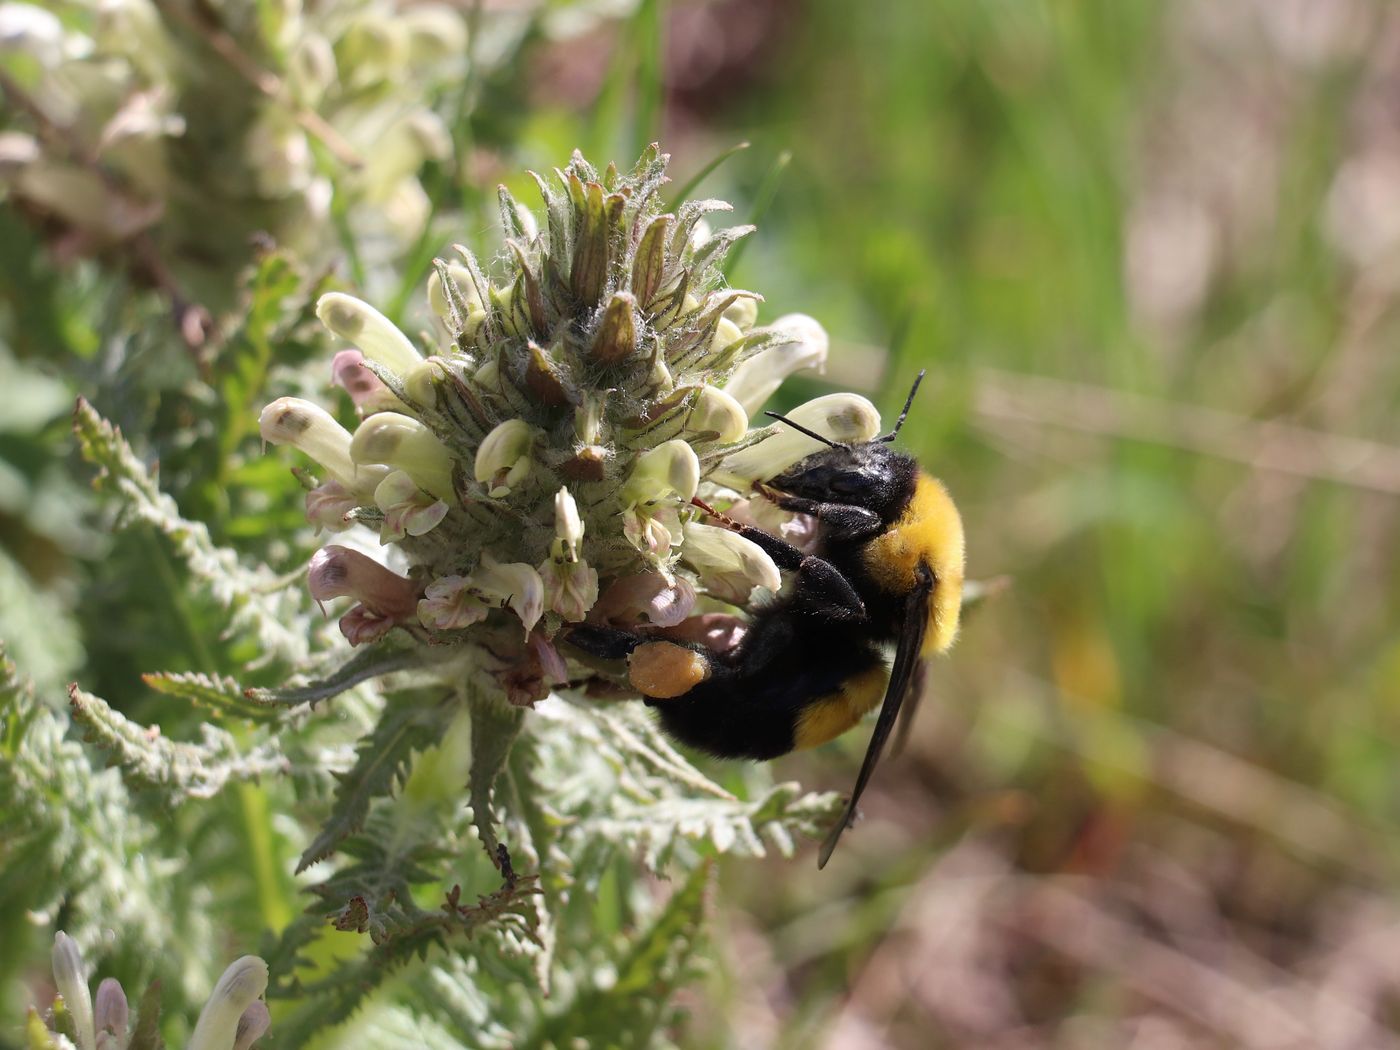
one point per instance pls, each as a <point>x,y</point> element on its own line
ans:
<point>401,441</point>
<point>716,412</point>
<point>251,1025</point>
<point>366,389</point>
<point>726,332</point>
<point>844,418</point>
<point>755,380</point>
<point>729,565</point>
<point>743,312</point>
<point>310,429</point>
<point>374,334</point>
<point>465,287</point>
<point>339,572</point>
<point>70,978</point>
<point>240,986</point>
<point>503,458</point>
<point>588,419</point>
<point>421,385</point>
<point>671,468</point>
<point>408,510</point>
<point>110,1012</point>
<point>568,526</point>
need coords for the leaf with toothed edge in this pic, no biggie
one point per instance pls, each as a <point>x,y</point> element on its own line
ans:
<point>181,770</point>
<point>367,663</point>
<point>409,723</point>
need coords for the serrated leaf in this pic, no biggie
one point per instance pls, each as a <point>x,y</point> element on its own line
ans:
<point>218,693</point>
<point>408,724</point>
<point>254,598</point>
<point>180,770</point>
<point>630,1009</point>
<point>372,661</point>
<point>495,725</point>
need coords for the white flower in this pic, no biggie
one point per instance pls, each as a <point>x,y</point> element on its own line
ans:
<point>375,335</point>
<point>328,504</point>
<point>401,441</point>
<point>453,602</point>
<point>238,989</point>
<point>729,565</point>
<point>503,458</point>
<point>408,510</point>
<point>514,584</point>
<point>755,380</point>
<point>310,429</point>
<point>570,587</point>
<point>450,604</point>
<point>844,418</point>
<point>652,529</point>
<point>669,469</point>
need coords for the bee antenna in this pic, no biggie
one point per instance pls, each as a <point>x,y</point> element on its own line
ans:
<point>908,403</point>
<point>803,430</point>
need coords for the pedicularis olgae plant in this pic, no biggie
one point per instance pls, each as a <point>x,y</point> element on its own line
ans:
<point>528,463</point>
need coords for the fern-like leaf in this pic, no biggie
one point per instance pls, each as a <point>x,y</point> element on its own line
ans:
<point>409,723</point>
<point>253,599</point>
<point>180,770</point>
<point>369,662</point>
<point>217,693</point>
<point>629,1009</point>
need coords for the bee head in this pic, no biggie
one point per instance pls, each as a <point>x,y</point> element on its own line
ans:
<point>870,474</point>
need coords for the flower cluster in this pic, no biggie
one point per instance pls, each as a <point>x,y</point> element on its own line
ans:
<point>538,466</point>
<point>155,118</point>
<point>234,1018</point>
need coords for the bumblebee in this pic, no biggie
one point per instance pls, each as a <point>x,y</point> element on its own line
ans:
<point>887,568</point>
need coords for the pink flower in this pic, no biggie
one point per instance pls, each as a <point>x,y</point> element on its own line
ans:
<point>570,588</point>
<point>328,504</point>
<point>385,598</point>
<point>349,372</point>
<point>645,598</point>
<point>719,632</point>
<point>408,510</point>
<point>452,603</point>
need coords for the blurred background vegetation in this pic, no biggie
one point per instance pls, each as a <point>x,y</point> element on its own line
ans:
<point>1150,255</point>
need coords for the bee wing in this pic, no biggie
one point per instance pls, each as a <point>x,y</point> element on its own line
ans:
<point>906,659</point>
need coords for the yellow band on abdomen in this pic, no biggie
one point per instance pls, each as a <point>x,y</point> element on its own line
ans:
<point>827,717</point>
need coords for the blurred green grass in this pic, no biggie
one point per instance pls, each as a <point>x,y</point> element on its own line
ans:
<point>1195,666</point>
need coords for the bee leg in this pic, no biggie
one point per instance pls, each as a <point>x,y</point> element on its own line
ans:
<point>842,521</point>
<point>823,591</point>
<point>784,554</point>
<point>606,643</point>
<point>821,588</point>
